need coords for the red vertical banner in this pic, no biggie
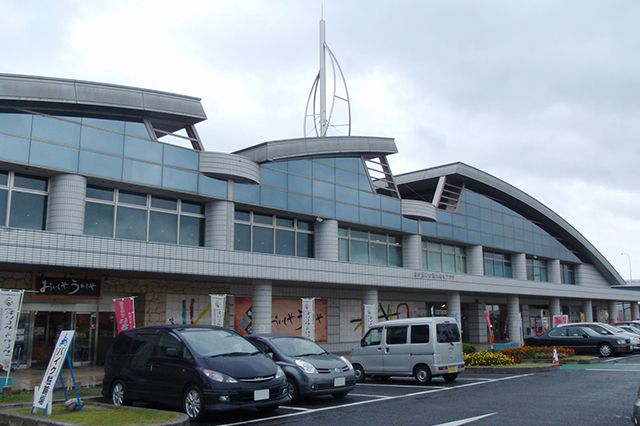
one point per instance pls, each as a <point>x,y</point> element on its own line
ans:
<point>125,315</point>
<point>487,316</point>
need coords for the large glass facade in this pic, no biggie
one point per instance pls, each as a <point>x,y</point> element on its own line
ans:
<point>265,233</point>
<point>374,248</point>
<point>23,201</point>
<point>497,264</point>
<point>443,257</point>
<point>537,269</point>
<point>136,216</point>
<point>567,273</point>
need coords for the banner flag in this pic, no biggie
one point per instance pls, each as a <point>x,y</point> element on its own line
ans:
<point>370,316</point>
<point>45,391</point>
<point>487,316</point>
<point>218,304</point>
<point>125,313</point>
<point>308,318</point>
<point>10,304</point>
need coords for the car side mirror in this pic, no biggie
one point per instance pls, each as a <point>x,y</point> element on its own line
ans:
<point>362,342</point>
<point>171,352</point>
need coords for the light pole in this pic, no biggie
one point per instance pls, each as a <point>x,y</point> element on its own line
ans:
<point>629,258</point>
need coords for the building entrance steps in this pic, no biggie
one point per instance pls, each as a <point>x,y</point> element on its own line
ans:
<point>28,378</point>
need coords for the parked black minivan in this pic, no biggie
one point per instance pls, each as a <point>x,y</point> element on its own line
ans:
<point>198,368</point>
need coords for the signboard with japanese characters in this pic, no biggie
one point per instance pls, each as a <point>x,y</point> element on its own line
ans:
<point>46,286</point>
<point>125,313</point>
<point>370,313</point>
<point>45,391</point>
<point>218,303</point>
<point>10,302</point>
<point>307,320</point>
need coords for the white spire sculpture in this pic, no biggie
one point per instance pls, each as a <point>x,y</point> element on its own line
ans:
<point>317,120</point>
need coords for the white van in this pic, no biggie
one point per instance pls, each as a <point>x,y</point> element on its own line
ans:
<point>418,347</point>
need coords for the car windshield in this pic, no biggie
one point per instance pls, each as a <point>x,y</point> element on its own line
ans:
<point>210,343</point>
<point>297,346</point>
<point>612,328</point>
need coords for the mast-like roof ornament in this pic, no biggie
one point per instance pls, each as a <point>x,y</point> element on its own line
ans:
<point>316,109</point>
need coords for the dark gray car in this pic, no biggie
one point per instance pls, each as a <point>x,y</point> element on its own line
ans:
<point>310,370</point>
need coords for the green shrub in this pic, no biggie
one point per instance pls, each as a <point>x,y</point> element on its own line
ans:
<point>483,359</point>
<point>468,348</point>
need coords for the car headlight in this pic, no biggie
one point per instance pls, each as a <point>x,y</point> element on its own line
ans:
<point>218,377</point>
<point>306,367</point>
<point>621,341</point>
<point>279,373</point>
<point>346,361</point>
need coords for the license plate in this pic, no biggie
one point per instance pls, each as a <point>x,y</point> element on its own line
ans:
<point>261,394</point>
<point>453,369</point>
<point>339,381</point>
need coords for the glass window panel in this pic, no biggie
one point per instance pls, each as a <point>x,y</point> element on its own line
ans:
<point>211,186</point>
<point>369,216</point>
<point>324,208</point>
<point>343,232</point>
<point>323,171</point>
<point>131,223</point>
<point>16,124</point>
<point>195,208</point>
<point>263,218</point>
<point>305,225</point>
<point>246,192</point>
<point>419,334</point>
<point>284,222</point>
<point>276,165</point>
<point>448,263</point>
<point>132,198</point>
<point>4,178</point>
<point>191,231</point>
<point>347,212</point>
<point>351,164</point>
<point>285,242</point>
<point>140,171</point>
<point>116,126</point>
<point>99,193</point>
<point>56,129</point>
<point>143,149</point>
<point>346,195</point>
<point>488,267</point>
<point>163,227</point>
<point>299,184</point>
<point>363,183</point>
<point>136,129</point>
<point>98,219</point>
<point>30,182</point>
<point>346,178</point>
<point>95,164</point>
<point>434,261</point>
<point>359,251</point>
<point>102,140</point>
<point>180,157</point>
<point>242,237</point>
<point>498,269</point>
<point>299,203</point>
<point>262,239</point>
<point>54,156</point>
<point>395,256</point>
<point>343,249</point>
<point>359,234</point>
<point>300,167</point>
<point>273,198</point>
<point>378,237</point>
<point>28,210</point>
<point>378,254</point>
<point>242,215</point>
<point>323,189</point>
<point>164,203</point>
<point>4,195</point>
<point>370,200</point>
<point>273,178</point>
<point>305,245</point>
<point>390,204</point>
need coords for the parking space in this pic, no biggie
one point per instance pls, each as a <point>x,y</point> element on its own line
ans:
<point>369,392</point>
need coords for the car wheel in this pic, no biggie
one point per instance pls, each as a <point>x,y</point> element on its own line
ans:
<point>359,372</point>
<point>422,374</point>
<point>340,395</point>
<point>292,389</point>
<point>118,396</point>
<point>450,377</point>
<point>192,403</point>
<point>605,350</point>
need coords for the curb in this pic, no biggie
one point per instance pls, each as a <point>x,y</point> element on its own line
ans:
<point>15,419</point>
<point>510,369</point>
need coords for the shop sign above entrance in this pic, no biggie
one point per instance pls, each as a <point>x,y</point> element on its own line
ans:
<point>67,287</point>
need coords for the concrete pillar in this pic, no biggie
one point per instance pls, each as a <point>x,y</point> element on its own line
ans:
<point>261,307</point>
<point>580,274</point>
<point>519,265</point>
<point>635,312</point>
<point>513,318</point>
<point>218,225</point>
<point>475,262</point>
<point>453,306</point>
<point>476,324</point>
<point>553,268</point>
<point>326,239</point>
<point>554,307</point>
<point>613,311</point>
<point>412,252</point>
<point>66,204</point>
<point>587,307</point>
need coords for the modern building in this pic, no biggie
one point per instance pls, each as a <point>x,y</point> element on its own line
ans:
<point>96,203</point>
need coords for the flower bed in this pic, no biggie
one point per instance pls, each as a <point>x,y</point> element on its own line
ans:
<point>483,359</point>
<point>544,353</point>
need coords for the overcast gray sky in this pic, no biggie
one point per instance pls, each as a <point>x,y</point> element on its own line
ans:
<point>544,95</point>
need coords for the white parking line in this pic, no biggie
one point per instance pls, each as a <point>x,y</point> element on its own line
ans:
<point>469,379</point>
<point>377,400</point>
<point>466,421</point>
<point>612,359</point>
<point>369,395</point>
<point>402,386</point>
<point>288,407</point>
<point>612,370</point>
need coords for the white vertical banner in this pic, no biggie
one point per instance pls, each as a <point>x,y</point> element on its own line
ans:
<point>218,305</point>
<point>370,317</point>
<point>307,320</point>
<point>10,304</point>
<point>42,397</point>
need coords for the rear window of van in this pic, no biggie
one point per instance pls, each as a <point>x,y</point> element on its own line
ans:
<point>447,333</point>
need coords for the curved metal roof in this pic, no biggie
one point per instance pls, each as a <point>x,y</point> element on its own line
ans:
<point>75,95</point>
<point>518,201</point>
